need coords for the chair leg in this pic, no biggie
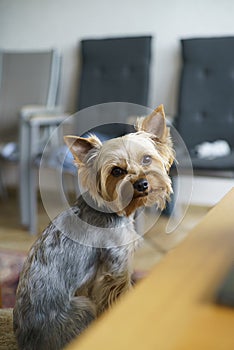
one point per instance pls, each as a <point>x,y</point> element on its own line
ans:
<point>28,188</point>
<point>3,190</point>
<point>32,177</point>
<point>33,200</point>
<point>24,155</point>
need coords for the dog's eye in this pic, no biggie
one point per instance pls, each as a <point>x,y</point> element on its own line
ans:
<point>146,160</point>
<point>117,171</point>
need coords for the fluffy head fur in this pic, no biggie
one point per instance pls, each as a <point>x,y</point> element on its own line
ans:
<point>110,171</point>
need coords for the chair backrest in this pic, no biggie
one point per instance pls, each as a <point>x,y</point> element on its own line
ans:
<point>114,70</point>
<point>206,95</point>
<point>26,78</point>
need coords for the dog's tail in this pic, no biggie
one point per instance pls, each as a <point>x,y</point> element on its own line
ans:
<point>56,331</point>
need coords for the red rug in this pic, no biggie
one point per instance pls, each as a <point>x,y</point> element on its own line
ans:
<point>11,264</point>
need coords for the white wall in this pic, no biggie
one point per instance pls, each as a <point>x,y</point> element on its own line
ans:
<point>33,24</point>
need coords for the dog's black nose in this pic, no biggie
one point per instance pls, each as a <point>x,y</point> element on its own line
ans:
<point>141,185</point>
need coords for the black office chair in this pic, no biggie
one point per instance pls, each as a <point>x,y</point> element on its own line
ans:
<point>206,101</point>
<point>206,107</point>
<point>112,70</point>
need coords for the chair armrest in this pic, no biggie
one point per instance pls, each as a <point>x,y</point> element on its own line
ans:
<point>28,111</point>
<point>42,115</point>
<point>48,119</point>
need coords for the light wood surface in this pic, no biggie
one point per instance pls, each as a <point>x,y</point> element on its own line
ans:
<point>174,308</point>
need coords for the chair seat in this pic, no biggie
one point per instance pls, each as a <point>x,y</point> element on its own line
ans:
<point>220,163</point>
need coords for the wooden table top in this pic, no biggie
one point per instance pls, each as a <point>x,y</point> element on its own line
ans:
<point>173,307</point>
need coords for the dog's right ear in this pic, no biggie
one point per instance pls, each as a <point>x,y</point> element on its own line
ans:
<point>80,146</point>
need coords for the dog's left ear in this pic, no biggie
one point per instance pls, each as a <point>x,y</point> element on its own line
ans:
<point>155,123</point>
<point>80,146</point>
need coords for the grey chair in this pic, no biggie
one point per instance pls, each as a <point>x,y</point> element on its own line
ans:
<point>28,86</point>
<point>206,102</point>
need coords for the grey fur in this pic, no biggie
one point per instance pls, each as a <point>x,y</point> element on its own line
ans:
<point>75,270</point>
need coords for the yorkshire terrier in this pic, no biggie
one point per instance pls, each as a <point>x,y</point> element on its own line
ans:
<point>82,263</point>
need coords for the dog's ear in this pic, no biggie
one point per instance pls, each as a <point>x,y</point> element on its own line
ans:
<point>155,123</point>
<point>80,146</point>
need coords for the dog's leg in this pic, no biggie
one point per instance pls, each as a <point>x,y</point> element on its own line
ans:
<point>109,288</point>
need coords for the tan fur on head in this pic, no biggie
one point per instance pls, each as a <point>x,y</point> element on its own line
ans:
<point>96,162</point>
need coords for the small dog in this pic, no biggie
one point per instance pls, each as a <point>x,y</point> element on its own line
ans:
<point>82,263</point>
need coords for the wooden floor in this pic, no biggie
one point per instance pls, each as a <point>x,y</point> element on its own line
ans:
<point>156,243</point>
